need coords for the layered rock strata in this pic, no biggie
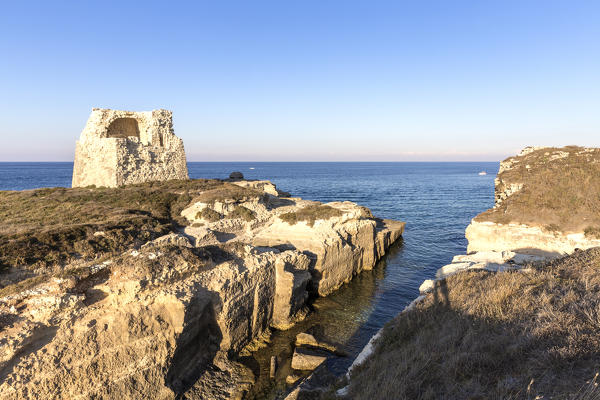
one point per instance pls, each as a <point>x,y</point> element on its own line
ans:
<point>165,319</point>
<point>526,239</point>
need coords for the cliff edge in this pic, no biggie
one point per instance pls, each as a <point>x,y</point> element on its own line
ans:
<point>546,203</point>
<point>151,290</point>
<point>516,317</point>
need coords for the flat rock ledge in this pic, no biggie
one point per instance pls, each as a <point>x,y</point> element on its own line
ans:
<point>165,318</point>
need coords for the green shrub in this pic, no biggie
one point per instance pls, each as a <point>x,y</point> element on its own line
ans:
<point>310,214</point>
<point>209,214</point>
<point>242,212</point>
<point>228,191</point>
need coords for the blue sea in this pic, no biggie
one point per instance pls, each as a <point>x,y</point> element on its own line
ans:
<point>437,200</point>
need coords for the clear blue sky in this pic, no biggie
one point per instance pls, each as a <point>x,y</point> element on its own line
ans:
<point>304,80</point>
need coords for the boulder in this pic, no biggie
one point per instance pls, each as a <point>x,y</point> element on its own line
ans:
<point>291,379</point>
<point>427,286</point>
<point>306,359</point>
<point>236,175</point>
<point>306,339</point>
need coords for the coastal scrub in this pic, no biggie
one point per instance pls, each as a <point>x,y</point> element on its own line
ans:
<point>311,213</point>
<point>493,335</point>
<point>44,229</point>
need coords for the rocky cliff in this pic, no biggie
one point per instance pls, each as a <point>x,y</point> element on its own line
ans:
<point>514,279</point>
<point>546,203</point>
<point>151,290</point>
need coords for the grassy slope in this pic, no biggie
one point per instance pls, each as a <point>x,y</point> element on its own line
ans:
<point>561,194</point>
<point>43,229</point>
<point>483,335</point>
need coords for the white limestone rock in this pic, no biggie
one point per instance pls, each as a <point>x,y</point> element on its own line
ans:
<point>117,148</point>
<point>427,286</point>
<point>485,236</point>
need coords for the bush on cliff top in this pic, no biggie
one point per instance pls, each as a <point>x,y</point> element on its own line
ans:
<point>493,335</point>
<point>228,191</point>
<point>311,213</point>
<point>209,215</point>
<point>47,228</point>
<point>561,188</point>
<point>242,212</point>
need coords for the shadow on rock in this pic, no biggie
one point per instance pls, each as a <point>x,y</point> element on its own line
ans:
<point>196,347</point>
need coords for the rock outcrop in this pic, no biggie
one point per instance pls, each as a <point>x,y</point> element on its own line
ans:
<point>544,208</point>
<point>525,239</point>
<point>545,204</point>
<point>339,247</point>
<point>117,148</point>
<point>166,317</point>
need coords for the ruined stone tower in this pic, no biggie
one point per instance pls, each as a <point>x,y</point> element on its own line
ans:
<point>117,148</point>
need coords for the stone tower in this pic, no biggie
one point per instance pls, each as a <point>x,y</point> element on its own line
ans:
<point>117,148</point>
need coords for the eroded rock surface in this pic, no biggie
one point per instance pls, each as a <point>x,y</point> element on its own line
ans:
<point>545,202</point>
<point>118,148</point>
<point>536,240</point>
<point>165,318</point>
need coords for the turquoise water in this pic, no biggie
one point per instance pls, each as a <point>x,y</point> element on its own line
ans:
<point>436,200</point>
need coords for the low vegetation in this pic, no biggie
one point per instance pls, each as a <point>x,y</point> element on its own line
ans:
<point>243,213</point>
<point>228,192</point>
<point>482,335</point>
<point>592,232</point>
<point>311,213</point>
<point>561,188</point>
<point>46,228</point>
<point>209,215</point>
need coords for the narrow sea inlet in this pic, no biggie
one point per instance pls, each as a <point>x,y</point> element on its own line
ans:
<point>436,200</point>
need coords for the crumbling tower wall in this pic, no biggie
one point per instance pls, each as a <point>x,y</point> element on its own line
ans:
<point>117,148</point>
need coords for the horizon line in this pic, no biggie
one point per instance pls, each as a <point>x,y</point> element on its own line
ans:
<point>290,161</point>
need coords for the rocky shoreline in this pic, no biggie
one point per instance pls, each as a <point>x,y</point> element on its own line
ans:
<point>167,316</point>
<point>508,245</point>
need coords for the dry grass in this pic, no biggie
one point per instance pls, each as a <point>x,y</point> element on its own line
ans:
<point>46,228</point>
<point>559,192</point>
<point>480,335</point>
<point>311,213</point>
<point>592,232</point>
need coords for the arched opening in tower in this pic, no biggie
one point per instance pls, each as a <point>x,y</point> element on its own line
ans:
<point>124,127</point>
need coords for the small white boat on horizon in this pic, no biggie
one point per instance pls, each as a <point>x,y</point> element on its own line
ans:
<point>251,167</point>
<point>483,173</point>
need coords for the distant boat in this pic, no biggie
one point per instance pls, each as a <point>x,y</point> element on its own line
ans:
<point>483,173</point>
<point>251,167</point>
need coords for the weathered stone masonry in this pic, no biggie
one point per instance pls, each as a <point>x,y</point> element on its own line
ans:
<point>117,148</point>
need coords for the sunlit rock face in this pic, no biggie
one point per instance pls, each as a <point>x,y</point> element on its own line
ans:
<point>117,148</point>
<point>167,316</point>
<point>545,204</point>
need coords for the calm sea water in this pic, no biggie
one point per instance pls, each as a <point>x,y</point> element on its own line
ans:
<point>436,200</point>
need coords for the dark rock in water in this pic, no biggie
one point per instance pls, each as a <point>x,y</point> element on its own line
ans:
<point>236,175</point>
